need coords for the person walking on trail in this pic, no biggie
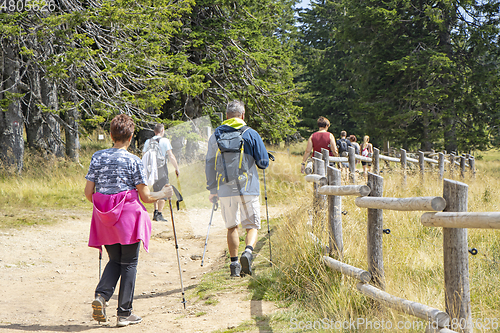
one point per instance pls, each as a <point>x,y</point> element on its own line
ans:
<point>234,153</point>
<point>367,151</point>
<point>320,139</point>
<point>355,144</point>
<point>156,166</point>
<point>342,144</point>
<point>115,182</point>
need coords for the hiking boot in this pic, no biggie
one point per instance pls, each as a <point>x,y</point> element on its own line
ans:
<point>159,217</point>
<point>155,215</point>
<point>99,307</point>
<point>130,320</point>
<point>235,268</point>
<point>246,263</point>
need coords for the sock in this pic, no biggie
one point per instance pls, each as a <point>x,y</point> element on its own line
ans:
<point>249,248</point>
<point>233,259</point>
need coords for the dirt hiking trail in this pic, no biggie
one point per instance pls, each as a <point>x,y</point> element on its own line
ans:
<point>48,275</point>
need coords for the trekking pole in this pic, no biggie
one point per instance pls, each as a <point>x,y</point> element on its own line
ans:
<point>214,208</point>
<point>177,246</point>
<point>271,157</point>
<point>100,261</point>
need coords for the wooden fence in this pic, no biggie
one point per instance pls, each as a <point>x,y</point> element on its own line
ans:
<point>435,162</point>
<point>448,212</point>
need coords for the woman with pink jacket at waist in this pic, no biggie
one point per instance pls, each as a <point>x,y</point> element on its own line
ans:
<point>115,181</point>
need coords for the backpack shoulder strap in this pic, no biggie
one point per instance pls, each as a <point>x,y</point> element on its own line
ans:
<point>243,129</point>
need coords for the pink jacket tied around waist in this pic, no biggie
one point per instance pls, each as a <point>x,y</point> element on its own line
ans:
<point>119,218</point>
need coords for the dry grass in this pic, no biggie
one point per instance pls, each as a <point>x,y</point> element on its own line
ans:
<point>413,256</point>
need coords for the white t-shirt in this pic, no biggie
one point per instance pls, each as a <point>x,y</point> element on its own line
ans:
<point>164,145</point>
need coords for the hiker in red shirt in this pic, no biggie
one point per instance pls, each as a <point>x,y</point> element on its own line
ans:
<point>320,139</point>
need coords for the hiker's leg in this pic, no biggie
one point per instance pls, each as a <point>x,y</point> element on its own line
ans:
<point>129,259</point>
<point>251,237</point>
<point>160,204</point>
<point>250,218</point>
<point>229,212</point>
<point>158,186</point>
<point>233,241</point>
<point>111,273</point>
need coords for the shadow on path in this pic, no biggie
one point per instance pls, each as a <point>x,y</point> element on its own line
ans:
<point>55,328</point>
<point>261,320</point>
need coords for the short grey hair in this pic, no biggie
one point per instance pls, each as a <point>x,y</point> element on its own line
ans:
<point>235,108</point>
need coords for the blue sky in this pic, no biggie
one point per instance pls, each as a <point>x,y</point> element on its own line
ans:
<point>304,3</point>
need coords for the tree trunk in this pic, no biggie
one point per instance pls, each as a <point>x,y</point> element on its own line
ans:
<point>426,144</point>
<point>43,132</point>
<point>450,137</point>
<point>72,135</point>
<point>11,118</point>
<point>52,129</point>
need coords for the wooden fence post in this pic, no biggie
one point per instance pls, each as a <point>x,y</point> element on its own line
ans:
<point>472,166</point>
<point>376,161</point>
<point>452,164</point>
<point>462,167</point>
<point>441,166</point>
<point>319,169</point>
<point>334,215</point>
<point>375,234</point>
<point>421,164</point>
<point>325,157</point>
<point>456,259</point>
<point>352,164</point>
<point>403,164</point>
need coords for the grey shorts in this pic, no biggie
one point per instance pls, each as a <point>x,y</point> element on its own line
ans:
<point>248,207</point>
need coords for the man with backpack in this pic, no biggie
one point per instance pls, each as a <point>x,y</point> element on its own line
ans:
<point>234,153</point>
<point>342,145</point>
<point>154,160</point>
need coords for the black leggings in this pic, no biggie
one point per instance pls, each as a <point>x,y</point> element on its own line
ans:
<point>122,263</point>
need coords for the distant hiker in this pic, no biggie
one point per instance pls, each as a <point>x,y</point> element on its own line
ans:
<point>342,144</point>
<point>115,181</point>
<point>320,139</point>
<point>367,151</point>
<point>234,153</point>
<point>357,149</point>
<point>154,159</point>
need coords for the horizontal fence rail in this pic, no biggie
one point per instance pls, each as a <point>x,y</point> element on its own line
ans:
<point>441,318</point>
<point>317,179</point>
<point>488,220</point>
<point>438,160</point>
<point>361,190</point>
<point>403,204</point>
<point>346,269</point>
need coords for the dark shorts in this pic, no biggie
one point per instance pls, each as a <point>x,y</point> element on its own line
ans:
<point>158,185</point>
<point>366,163</point>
